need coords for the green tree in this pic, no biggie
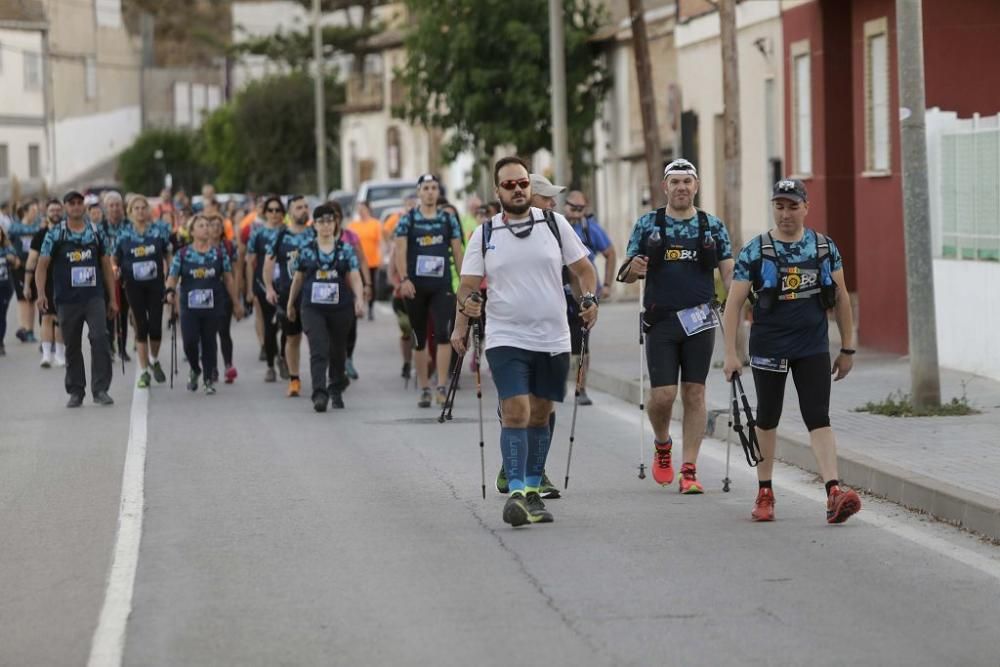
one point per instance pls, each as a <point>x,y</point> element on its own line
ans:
<point>141,171</point>
<point>221,150</point>
<point>481,69</point>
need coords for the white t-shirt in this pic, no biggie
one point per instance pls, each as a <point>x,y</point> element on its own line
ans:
<point>525,302</point>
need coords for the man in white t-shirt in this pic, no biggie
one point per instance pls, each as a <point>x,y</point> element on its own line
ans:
<point>528,340</point>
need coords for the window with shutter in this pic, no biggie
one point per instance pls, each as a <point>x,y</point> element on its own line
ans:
<point>801,108</point>
<point>878,156</point>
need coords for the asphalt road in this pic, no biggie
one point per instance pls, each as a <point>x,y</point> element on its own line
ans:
<point>276,536</point>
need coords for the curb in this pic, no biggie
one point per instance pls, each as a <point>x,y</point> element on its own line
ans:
<point>947,502</point>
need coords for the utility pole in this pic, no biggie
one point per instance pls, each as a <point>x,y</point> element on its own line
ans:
<point>647,103</point>
<point>317,15</point>
<point>925,376</point>
<point>557,75</point>
<point>732,185</point>
<point>146,30</point>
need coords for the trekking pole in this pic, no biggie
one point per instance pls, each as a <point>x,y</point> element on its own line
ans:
<point>642,382</point>
<point>751,448</point>
<point>121,343</point>
<point>449,400</point>
<point>173,349</point>
<point>584,351</point>
<point>477,343</point>
<point>729,432</point>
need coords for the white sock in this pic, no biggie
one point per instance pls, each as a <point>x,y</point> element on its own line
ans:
<point>153,360</point>
<point>60,349</point>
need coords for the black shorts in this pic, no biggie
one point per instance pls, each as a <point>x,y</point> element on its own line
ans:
<point>671,353</point>
<point>812,383</point>
<point>436,306</point>
<point>18,275</point>
<point>289,328</point>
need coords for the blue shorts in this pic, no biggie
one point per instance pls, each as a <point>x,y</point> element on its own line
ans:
<point>517,372</point>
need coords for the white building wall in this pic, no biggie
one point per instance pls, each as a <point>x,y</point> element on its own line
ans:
<point>22,111</point>
<point>83,141</point>
<point>967,321</point>
<point>700,59</point>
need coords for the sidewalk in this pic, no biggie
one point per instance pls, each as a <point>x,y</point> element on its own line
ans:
<point>948,467</point>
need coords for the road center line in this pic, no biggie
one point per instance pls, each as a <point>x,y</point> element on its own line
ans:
<point>985,564</point>
<point>108,645</point>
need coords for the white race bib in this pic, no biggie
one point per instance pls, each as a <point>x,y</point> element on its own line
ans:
<point>83,276</point>
<point>430,266</point>
<point>201,299</point>
<point>26,243</point>
<point>327,294</point>
<point>276,275</point>
<point>697,319</point>
<point>769,364</point>
<point>144,270</point>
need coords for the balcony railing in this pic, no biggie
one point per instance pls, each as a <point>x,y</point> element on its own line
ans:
<point>365,93</point>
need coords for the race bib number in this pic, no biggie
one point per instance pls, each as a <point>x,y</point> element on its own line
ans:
<point>201,299</point>
<point>276,274</point>
<point>144,270</point>
<point>697,319</point>
<point>430,266</point>
<point>83,276</point>
<point>769,364</point>
<point>326,294</point>
<point>26,243</point>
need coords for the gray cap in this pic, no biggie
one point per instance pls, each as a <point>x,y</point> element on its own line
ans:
<point>790,188</point>
<point>543,186</point>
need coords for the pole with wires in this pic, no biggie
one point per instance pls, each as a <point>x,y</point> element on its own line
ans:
<point>581,364</point>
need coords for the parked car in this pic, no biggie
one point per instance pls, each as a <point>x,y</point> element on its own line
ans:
<point>382,196</point>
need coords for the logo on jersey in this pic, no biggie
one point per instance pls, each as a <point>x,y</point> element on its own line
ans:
<point>429,240</point>
<point>680,255</point>
<point>322,274</point>
<point>143,250</point>
<point>203,272</point>
<point>80,255</point>
<point>796,279</point>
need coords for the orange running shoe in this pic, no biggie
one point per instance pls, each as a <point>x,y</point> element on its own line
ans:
<point>840,505</point>
<point>663,467</point>
<point>689,480</point>
<point>294,387</point>
<point>763,507</point>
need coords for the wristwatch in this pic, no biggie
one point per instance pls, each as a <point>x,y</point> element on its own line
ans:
<point>848,351</point>
<point>588,297</point>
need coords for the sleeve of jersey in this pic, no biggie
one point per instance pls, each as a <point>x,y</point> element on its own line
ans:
<point>742,270</point>
<point>46,250</point>
<point>722,242</point>
<point>227,264</point>
<point>573,249</point>
<point>175,265</point>
<point>472,263</point>
<point>635,241</point>
<point>456,228</point>
<point>353,260</point>
<point>836,260</point>
<point>252,243</point>
<point>403,227</point>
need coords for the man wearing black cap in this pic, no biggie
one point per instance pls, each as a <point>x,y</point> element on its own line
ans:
<point>677,249</point>
<point>797,275</point>
<point>84,283</point>
<point>427,240</point>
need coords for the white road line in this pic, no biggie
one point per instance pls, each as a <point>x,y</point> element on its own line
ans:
<point>108,645</point>
<point>918,535</point>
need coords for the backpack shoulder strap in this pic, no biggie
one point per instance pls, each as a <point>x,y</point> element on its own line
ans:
<point>661,219</point>
<point>550,220</point>
<point>822,246</point>
<point>703,228</point>
<point>487,233</point>
<point>767,246</point>
<point>278,239</point>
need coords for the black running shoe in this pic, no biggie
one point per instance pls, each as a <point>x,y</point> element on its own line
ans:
<point>102,398</point>
<point>536,509</point>
<point>547,488</point>
<point>337,400</point>
<point>158,373</point>
<point>319,402</point>
<point>515,510</point>
<point>75,401</point>
<point>192,384</point>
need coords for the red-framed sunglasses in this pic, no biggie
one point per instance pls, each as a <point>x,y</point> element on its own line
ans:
<point>511,184</point>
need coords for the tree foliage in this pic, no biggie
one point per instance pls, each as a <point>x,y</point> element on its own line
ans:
<point>481,69</point>
<point>141,171</point>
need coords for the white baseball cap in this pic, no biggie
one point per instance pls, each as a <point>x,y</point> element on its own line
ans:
<point>544,187</point>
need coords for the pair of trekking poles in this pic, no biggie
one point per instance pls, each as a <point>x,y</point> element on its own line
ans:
<point>738,399</point>
<point>477,341</point>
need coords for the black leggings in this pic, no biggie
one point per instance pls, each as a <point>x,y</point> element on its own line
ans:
<point>436,307</point>
<point>812,384</point>
<point>199,331</point>
<point>352,337</point>
<point>146,299</point>
<point>269,314</point>
<point>225,334</point>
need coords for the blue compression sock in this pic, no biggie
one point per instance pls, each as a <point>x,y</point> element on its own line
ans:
<point>514,448</point>
<point>539,440</point>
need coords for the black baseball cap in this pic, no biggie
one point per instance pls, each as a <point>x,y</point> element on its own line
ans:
<point>790,188</point>
<point>427,177</point>
<point>71,195</point>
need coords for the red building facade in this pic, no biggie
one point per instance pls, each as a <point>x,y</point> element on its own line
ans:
<point>855,184</point>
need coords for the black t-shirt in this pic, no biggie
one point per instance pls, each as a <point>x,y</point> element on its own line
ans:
<point>36,245</point>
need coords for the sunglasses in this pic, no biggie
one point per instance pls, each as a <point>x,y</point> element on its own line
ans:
<point>512,184</point>
<point>576,208</point>
<point>273,210</point>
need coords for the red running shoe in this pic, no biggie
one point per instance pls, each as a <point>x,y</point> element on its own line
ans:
<point>763,507</point>
<point>231,374</point>
<point>840,505</point>
<point>689,480</point>
<point>663,467</point>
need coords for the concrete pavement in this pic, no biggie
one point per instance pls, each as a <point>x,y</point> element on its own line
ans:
<point>276,536</point>
<point>948,467</point>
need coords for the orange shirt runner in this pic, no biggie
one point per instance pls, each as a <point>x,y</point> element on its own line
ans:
<point>369,230</point>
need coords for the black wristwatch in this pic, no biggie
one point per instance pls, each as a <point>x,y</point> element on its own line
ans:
<point>846,350</point>
<point>588,298</point>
